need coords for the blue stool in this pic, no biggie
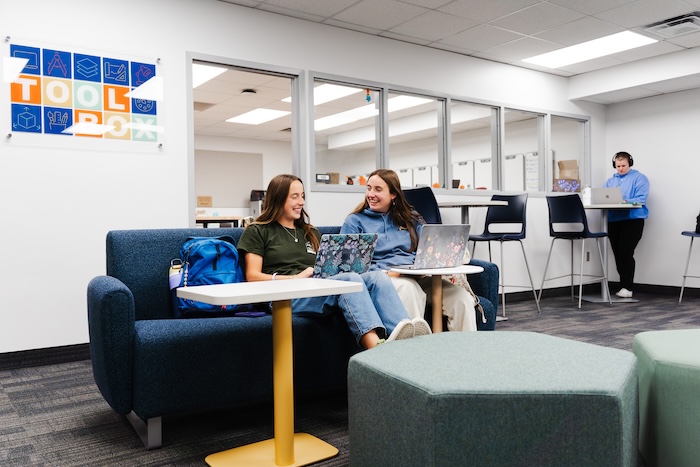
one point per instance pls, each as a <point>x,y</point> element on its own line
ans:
<point>692,236</point>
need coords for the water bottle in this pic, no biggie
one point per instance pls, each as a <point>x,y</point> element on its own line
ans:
<point>175,273</point>
<point>586,196</point>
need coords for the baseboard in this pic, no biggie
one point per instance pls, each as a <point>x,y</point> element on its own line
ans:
<point>48,356</point>
<point>595,289</point>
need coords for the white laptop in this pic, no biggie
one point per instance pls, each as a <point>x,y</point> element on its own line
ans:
<point>606,195</point>
<point>440,246</point>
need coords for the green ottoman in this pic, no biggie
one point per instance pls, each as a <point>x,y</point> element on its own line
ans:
<point>669,396</point>
<point>496,398</point>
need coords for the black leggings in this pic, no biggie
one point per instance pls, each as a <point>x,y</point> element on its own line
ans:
<point>624,237</point>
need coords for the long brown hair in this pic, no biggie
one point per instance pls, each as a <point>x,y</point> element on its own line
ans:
<point>273,206</point>
<point>402,213</point>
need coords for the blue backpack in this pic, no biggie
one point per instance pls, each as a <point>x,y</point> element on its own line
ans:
<point>205,261</point>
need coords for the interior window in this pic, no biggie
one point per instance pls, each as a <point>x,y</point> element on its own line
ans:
<point>473,129</point>
<point>345,127</point>
<point>523,168</point>
<point>567,143</point>
<point>416,144</point>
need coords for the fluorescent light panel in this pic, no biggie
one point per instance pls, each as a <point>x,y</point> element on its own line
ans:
<point>203,73</point>
<point>329,92</point>
<point>367,111</point>
<point>601,47</point>
<point>258,116</point>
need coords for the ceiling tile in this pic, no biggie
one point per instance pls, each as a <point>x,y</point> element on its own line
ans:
<point>642,12</point>
<point>432,26</point>
<point>326,8</point>
<point>590,7</point>
<point>522,48</point>
<point>537,18</point>
<point>481,38</point>
<point>486,10</point>
<point>379,14</point>
<point>432,4</point>
<point>651,50</point>
<point>689,40</point>
<point>581,30</point>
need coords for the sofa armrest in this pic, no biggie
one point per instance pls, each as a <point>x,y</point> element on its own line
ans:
<point>485,284</point>
<point>111,328</point>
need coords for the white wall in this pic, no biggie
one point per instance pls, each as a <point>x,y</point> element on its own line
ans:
<point>59,202</point>
<point>661,134</point>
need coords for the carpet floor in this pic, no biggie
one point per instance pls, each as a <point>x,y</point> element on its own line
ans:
<point>54,415</point>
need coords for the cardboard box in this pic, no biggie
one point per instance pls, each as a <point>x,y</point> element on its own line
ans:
<point>204,201</point>
<point>568,169</point>
<point>335,177</point>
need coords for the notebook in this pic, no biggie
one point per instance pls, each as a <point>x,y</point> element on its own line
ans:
<point>344,253</point>
<point>440,246</point>
<point>606,195</point>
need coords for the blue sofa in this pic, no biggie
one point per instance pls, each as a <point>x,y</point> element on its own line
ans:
<point>148,365</point>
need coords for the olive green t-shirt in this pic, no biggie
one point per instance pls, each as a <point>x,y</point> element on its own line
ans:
<point>281,254</point>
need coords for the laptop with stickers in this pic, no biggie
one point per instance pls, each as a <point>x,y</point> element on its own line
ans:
<point>440,246</point>
<point>344,253</point>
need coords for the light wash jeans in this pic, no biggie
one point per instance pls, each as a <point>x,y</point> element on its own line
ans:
<point>377,306</point>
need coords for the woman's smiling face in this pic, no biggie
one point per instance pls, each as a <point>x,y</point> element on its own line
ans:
<point>378,196</point>
<point>295,202</point>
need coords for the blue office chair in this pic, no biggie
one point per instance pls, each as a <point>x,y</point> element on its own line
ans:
<point>567,221</point>
<point>693,236</point>
<point>423,200</point>
<point>495,230</point>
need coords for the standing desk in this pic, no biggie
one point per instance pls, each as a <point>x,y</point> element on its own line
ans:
<point>603,208</point>
<point>287,447</point>
<point>466,204</point>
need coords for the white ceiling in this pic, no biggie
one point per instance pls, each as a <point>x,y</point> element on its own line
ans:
<point>499,30</point>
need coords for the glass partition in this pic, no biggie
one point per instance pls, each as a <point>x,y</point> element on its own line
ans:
<point>523,168</point>
<point>568,148</point>
<point>416,142</point>
<point>346,119</point>
<point>472,130</point>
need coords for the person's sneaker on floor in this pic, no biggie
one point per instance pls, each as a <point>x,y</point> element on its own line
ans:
<point>403,330</point>
<point>624,293</point>
<point>421,327</point>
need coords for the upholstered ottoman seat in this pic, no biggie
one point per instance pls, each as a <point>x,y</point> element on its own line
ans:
<point>669,396</point>
<point>502,398</point>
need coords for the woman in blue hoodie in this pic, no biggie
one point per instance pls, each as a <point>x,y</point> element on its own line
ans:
<point>385,211</point>
<point>625,226</point>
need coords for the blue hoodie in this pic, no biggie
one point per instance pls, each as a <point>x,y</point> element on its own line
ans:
<point>393,244</point>
<point>635,189</point>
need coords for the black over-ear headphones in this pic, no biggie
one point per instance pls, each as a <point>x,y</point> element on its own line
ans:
<point>626,155</point>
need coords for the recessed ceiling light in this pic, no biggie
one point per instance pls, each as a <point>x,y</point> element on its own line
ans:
<point>203,73</point>
<point>601,47</point>
<point>258,116</point>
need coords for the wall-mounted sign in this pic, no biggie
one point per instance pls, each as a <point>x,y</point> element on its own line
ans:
<point>68,93</point>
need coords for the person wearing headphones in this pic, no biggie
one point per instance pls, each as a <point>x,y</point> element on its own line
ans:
<point>625,226</point>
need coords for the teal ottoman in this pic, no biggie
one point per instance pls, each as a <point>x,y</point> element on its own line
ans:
<point>669,396</point>
<point>492,399</point>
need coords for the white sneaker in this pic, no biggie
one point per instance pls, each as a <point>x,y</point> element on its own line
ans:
<point>403,330</point>
<point>421,327</point>
<point>624,293</point>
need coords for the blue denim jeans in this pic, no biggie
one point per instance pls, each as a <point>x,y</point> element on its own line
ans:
<point>377,306</point>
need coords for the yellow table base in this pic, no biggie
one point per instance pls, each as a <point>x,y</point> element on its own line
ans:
<point>307,450</point>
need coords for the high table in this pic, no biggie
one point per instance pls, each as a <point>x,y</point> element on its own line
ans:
<point>466,204</point>
<point>603,208</point>
<point>206,220</point>
<point>287,447</point>
<point>436,277</point>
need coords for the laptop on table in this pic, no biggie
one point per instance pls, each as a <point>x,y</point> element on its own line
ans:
<point>606,195</point>
<point>344,253</point>
<point>440,246</point>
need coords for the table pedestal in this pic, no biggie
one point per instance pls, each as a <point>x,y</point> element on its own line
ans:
<point>286,448</point>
